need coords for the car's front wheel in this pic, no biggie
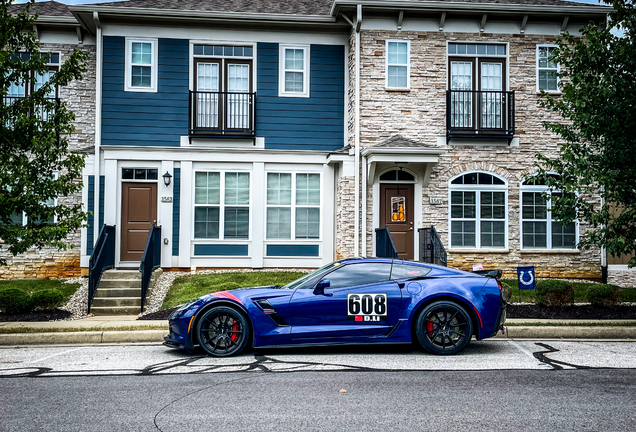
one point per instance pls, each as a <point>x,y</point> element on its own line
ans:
<point>444,328</point>
<point>223,331</point>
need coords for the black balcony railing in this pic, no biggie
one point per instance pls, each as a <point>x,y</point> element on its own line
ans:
<point>223,114</point>
<point>480,114</point>
<point>102,258</point>
<point>150,260</point>
<point>41,112</point>
<point>384,246</point>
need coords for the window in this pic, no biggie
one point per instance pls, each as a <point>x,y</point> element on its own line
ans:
<point>23,219</point>
<point>547,69</point>
<point>293,194</point>
<point>478,211</point>
<point>221,205</point>
<point>407,271</point>
<point>222,100</point>
<point>538,229</point>
<point>23,89</point>
<point>141,65</point>
<point>397,64</point>
<point>139,174</point>
<point>359,274</point>
<point>477,80</point>
<point>294,71</point>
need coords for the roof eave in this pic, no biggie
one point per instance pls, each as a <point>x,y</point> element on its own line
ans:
<point>402,150</point>
<point>472,7</point>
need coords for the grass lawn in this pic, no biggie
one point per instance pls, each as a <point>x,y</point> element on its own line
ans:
<point>186,288</point>
<point>580,292</point>
<point>31,286</point>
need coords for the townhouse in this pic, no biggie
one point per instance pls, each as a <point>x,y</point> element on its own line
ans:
<point>260,134</point>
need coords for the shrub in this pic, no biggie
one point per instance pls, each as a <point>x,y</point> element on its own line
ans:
<point>603,295</point>
<point>554,292</point>
<point>46,299</point>
<point>14,301</point>
<point>507,291</point>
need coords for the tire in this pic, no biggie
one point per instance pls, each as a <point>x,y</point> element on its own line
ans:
<point>444,328</point>
<point>223,331</point>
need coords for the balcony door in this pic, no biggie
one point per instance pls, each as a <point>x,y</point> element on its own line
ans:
<point>223,95</point>
<point>478,100</point>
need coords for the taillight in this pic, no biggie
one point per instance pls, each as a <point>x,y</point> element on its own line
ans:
<point>499,285</point>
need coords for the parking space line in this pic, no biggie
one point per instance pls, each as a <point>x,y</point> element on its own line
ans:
<point>522,349</point>
<point>55,355</point>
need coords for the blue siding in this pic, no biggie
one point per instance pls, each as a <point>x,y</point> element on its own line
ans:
<point>292,250</point>
<point>220,250</point>
<point>314,123</point>
<point>176,211</point>
<point>146,119</point>
<point>91,217</point>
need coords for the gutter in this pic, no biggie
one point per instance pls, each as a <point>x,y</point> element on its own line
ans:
<point>356,227</point>
<point>440,6</point>
<point>98,121</point>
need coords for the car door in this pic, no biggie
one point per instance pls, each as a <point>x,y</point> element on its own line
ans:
<point>361,301</point>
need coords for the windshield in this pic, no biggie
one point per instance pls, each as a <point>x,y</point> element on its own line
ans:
<point>313,275</point>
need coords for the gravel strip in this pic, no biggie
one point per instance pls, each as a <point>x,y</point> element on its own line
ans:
<point>165,281</point>
<point>77,304</point>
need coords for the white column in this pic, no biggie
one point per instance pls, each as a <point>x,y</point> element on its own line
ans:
<point>165,213</point>
<point>112,204</point>
<point>258,213</point>
<point>328,214</point>
<point>185,223</point>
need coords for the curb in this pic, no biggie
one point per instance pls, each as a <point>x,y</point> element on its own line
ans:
<point>561,332</point>
<point>87,337</point>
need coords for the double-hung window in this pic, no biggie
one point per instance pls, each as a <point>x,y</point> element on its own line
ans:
<point>294,71</point>
<point>21,89</point>
<point>397,64</point>
<point>221,205</point>
<point>547,69</point>
<point>23,219</point>
<point>539,230</point>
<point>478,211</point>
<point>293,194</point>
<point>141,65</point>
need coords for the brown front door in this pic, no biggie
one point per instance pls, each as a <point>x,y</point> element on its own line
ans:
<point>396,212</point>
<point>138,214</point>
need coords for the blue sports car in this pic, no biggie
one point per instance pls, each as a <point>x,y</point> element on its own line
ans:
<point>351,301</point>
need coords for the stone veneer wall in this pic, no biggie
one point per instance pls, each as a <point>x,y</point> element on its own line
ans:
<point>345,217</point>
<point>623,278</point>
<point>420,114</point>
<point>51,262</point>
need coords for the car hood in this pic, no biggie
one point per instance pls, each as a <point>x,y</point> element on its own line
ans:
<point>243,295</point>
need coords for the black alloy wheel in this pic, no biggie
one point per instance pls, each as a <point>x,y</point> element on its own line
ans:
<point>223,331</point>
<point>444,328</point>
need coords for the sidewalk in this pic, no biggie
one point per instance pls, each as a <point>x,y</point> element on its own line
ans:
<point>126,329</point>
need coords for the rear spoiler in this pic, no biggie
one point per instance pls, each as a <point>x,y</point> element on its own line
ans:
<point>496,274</point>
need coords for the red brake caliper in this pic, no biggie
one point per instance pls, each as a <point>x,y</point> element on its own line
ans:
<point>429,328</point>
<point>235,328</point>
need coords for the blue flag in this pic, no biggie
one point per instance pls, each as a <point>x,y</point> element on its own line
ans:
<point>525,276</point>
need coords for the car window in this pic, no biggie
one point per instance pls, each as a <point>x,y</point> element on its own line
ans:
<point>313,276</point>
<point>359,274</point>
<point>405,271</point>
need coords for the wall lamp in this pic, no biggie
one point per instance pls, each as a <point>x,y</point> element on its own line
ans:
<point>167,178</point>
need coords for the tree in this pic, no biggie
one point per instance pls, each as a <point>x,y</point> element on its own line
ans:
<point>35,164</point>
<point>597,106</point>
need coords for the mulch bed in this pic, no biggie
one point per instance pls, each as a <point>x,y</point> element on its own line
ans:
<point>46,315</point>
<point>159,315</point>
<point>571,312</point>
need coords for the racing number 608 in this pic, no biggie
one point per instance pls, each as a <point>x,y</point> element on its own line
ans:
<point>366,304</point>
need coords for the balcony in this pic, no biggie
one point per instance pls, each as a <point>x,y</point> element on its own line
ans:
<point>40,112</point>
<point>222,114</point>
<point>480,114</point>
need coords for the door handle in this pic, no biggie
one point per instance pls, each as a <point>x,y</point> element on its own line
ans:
<point>411,229</point>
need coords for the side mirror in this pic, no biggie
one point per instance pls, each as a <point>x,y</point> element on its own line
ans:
<point>320,287</point>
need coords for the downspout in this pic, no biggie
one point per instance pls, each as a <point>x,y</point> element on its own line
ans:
<point>98,122</point>
<point>356,229</point>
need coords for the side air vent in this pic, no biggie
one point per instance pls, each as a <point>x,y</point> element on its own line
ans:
<point>269,310</point>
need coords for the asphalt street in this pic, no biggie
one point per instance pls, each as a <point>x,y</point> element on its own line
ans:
<point>493,385</point>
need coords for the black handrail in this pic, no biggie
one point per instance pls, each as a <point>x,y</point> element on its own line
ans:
<point>384,246</point>
<point>480,113</point>
<point>150,260</point>
<point>431,248</point>
<point>228,114</point>
<point>102,258</point>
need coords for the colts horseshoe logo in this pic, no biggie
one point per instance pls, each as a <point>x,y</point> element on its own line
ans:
<point>523,281</point>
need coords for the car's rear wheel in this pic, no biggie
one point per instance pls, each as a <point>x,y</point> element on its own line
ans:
<point>444,328</point>
<point>223,331</point>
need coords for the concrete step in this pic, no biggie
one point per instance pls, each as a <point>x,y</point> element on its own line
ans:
<point>115,310</point>
<point>117,301</point>
<point>121,274</point>
<point>119,283</point>
<point>117,292</point>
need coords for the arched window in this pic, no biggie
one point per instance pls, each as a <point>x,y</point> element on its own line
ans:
<point>478,211</point>
<point>539,230</point>
<point>397,175</point>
